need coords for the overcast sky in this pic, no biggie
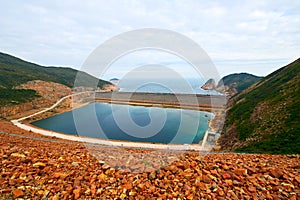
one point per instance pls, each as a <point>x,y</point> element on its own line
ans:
<point>253,36</point>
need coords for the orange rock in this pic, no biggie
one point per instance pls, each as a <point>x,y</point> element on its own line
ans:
<point>102,177</point>
<point>190,196</point>
<point>251,189</point>
<point>214,172</point>
<point>229,182</point>
<point>277,173</point>
<point>226,176</point>
<point>297,178</point>
<point>60,175</point>
<point>205,171</point>
<point>39,164</point>
<point>201,185</point>
<point>128,186</point>
<point>225,167</point>
<point>269,196</point>
<point>56,197</point>
<point>206,179</point>
<point>93,190</point>
<point>293,198</point>
<point>240,172</point>
<point>221,193</point>
<point>18,193</point>
<point>76,193</point>
<point>275,188</point>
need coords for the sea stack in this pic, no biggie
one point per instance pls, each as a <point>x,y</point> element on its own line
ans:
<point>209,85</point>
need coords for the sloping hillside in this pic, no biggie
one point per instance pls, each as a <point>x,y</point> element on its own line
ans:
<point>266,117</point>
<point>235,83</point>
<point>231,84</point>
<point>31,97</point>
<point>14,71</point>
<point>12,97</point>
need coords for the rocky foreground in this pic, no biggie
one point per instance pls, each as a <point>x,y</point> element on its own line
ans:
<point>37,167</point>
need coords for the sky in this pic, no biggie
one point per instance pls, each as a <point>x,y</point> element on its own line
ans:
<point>254,36</point>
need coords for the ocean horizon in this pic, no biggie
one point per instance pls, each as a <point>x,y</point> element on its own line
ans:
<point>167,85</point>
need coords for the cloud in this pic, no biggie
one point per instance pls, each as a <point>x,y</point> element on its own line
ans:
<point>64,33</point>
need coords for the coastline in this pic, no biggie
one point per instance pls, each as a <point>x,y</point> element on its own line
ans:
<point>114,143</point>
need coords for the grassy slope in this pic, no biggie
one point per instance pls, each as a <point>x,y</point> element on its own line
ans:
<point>11,96</point>
<point>14,71</point>
<point>243,80</point>
<point>268,114</point>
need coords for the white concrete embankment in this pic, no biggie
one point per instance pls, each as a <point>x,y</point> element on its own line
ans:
<point>177,147</point>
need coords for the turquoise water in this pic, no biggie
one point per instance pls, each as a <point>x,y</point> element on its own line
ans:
<point>113,122</point>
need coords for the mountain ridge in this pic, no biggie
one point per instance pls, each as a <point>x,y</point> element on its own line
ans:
<point>15,71</point>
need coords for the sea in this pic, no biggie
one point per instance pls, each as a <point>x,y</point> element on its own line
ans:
<point>167,85</point>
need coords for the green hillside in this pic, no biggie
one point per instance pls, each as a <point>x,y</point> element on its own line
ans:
<point>266,118</point>
<point>14,71</point>
<point>10,96</point>
<point>239,81</point>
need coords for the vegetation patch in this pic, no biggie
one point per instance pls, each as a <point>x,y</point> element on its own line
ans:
<point>16,96</point>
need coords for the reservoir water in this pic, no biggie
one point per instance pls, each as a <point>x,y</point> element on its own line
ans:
<point>131,123</point>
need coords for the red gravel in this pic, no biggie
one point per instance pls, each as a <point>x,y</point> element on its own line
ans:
<point>59,169</point>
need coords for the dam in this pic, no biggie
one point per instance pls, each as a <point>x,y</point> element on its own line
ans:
<point>183,101</point>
